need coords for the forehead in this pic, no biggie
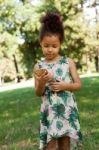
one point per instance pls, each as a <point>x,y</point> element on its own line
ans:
<point>51,39</point>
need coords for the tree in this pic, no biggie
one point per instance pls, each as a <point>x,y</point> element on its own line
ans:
<point>92,31</point>
<point>70,11</point>
<point>19,31</point>
<point>19,34</point>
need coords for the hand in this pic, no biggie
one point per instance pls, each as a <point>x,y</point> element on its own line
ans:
<point>57,86</point>
<point>44,78</point>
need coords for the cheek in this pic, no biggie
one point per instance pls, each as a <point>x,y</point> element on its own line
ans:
<point>43,51</point>
<point>57,50</point>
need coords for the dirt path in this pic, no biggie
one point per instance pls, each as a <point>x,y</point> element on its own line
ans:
<point>28,83</point>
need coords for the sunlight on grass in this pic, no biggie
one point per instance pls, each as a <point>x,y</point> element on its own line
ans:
<point>19,117</point>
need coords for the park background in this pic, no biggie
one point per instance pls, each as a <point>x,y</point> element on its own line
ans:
<point>20,50</point>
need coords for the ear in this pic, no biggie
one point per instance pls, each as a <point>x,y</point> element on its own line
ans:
<point>40,43</point>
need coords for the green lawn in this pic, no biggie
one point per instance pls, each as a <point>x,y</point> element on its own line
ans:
<point>19,117</point>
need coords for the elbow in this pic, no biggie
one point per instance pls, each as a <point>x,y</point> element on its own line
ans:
<point>79,86</point>
<point>39,94</point>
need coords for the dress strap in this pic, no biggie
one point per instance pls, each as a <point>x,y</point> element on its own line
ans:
<point>40,63</point>
<point>64,59</point>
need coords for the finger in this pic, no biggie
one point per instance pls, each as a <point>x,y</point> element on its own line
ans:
<point>54,90</point>
<point>38,78</point>
<point>53,83</point>
<point>53,86</point>
<point>58,80</point>
<point>43,75</point>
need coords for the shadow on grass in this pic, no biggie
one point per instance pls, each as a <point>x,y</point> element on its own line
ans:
<point>88,104</point>
<point>19,117</point>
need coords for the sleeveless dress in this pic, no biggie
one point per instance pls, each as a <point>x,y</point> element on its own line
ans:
<point>59,114</point>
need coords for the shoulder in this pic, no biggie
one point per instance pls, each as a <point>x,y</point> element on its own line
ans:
<point>39,64</point>
<point>64,60</point>
<point>72,66</point>
<point>36,66</point>
<point>71,63</point>
<point>67,60</point>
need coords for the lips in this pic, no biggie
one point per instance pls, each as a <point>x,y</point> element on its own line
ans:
<point>49,54</point>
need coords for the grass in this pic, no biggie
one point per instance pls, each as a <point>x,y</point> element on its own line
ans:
<point>19,117</point>
<point>88,104</point>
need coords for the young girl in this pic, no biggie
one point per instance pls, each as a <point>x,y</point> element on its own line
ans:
<point>59,119</point>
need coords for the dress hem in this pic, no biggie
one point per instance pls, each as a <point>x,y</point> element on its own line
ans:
<point>78,142</point>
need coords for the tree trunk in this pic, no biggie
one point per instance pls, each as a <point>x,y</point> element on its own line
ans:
<point>16,68</point>
<point>97,33</point>
<point>88,63</point>
<point>98,59</point>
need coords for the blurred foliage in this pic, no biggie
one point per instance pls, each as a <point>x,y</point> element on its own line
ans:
<point>19,31</point>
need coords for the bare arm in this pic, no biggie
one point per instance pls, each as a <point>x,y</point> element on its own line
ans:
<point>76,85</point>
<point>39,84</point>
<point>41,81</point>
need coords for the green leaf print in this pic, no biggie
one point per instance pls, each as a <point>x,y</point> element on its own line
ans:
<point>72,122</point>
<point>43,137</point>
<point>79,135</point>
<point>59,125</point>
<point>59,72</point>
<point>63,60</point>
<point>43,117</point>
<point>67,133</point>
<point>63,95</point>
<point>54,136</point>
<point>74,113</point>
<point>59,110</point>
<point>73,117</point>
<point>49,66</point>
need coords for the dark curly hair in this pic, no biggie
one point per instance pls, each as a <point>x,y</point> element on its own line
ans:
<point>51,23</point>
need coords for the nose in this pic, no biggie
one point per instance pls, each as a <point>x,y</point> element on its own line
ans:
<point>50,49</point>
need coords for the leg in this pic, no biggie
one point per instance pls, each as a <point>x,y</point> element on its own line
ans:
<point>64,143</point>
<point>51,145</point>
<point>44,149</point>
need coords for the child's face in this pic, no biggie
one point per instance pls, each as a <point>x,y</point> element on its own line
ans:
<point>50,46</point>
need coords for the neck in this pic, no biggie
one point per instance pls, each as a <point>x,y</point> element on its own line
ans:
<point>53,60</point>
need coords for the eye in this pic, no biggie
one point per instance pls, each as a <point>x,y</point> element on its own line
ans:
<point>54,46</point>
<point>46,45</point>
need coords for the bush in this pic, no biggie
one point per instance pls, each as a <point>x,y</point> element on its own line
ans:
<point>7,79</point>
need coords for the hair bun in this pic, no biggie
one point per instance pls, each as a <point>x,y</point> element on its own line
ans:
<point>52,24</point>
<point>51,18</point>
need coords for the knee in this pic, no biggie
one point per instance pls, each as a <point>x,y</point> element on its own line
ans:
<point>51,145</point>
<point>64,148</point>
<point>64,143</point>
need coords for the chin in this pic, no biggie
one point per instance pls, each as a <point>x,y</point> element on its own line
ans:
<point>49,58</point>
